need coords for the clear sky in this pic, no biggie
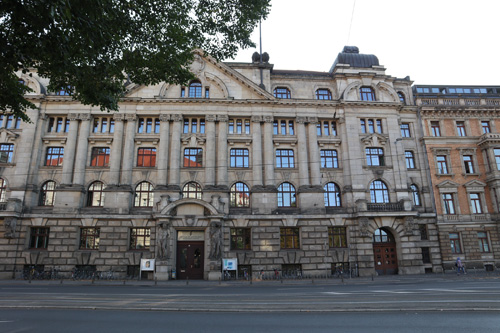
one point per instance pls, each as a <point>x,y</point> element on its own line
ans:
<point>432,41</point>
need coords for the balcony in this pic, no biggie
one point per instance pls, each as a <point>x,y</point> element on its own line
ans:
<point>385,207</point>
<point>460,101</point>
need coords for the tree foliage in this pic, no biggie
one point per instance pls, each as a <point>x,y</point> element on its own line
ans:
<point>91,47</point>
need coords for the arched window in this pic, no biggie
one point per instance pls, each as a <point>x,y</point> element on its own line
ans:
<point>286,195</point>
<point>382,236</point>
<point>332,195</point>
<point>143,195</point>
<point>379,192</point>
<point>282,92</point>
<point>402,98</point>
<point>95,194</point>
<point>323,94</point>
<point>366,94</point>
<point>3,187</point>
<point>415,195</point>
<point>191,190</point>
<point>48,193</point>
<point>240,195</point>
<point>194,89</point>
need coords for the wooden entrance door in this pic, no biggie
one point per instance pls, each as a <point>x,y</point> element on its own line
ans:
<point>385,253</point>
<point>190,260</point>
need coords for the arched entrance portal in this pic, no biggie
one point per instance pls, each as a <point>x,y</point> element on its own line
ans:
<point>384,252</point>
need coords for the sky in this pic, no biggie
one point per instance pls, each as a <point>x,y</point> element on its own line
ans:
<point>452,42</point>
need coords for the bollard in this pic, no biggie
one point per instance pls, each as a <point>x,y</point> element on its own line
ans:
<point>372,277</point>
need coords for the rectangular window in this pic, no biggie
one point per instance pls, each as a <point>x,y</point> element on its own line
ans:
<point>289,238</point>
<point>100,157</point>
<point>104,125</point>
<point>379,126</point>
<point>485,125</point>
<point>337,237</point>
<point>375,157</point>
<point>239,126</point>
<point>6,152</point>
<point>284,158</point>
<point>241,239</point>
<point>140,238</point>
<point>39,238</point>
<point>468,165</point>
<point>89,238</point>
<point>58,125</point>
<point>423,231</point>
<point>455,242</point>
<point>484,245</point>
<point>461,128</point>
<point>426,255</point>
<point>405,130</point>
<point>475,203</point>
<point>435,129</point>
<point>497,157</point>
<point>329,158</point>
<point>146,157</point>
<point>193,158</point>
<point>442,164</point>
<point>54,156</point>
<point>326,128</point>
<point>363,125</point>
<point>449,205</point>
<point>239,158</point>
<point>371,126</point>
<point>410,160</point>
<point>194,125</point>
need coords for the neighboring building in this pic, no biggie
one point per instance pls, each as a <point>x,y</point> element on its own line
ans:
<point>461,126</point>
<point>293,171</point>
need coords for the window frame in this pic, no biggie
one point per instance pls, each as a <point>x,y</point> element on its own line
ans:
<point>95,194</point>
<point>240,239</point>
<point>337,237</point>
<point>415,194</point>
<point>332,195</point>
<point>442,165</point>
<point>476,206</point>
<point>461,130</point>
<point>89,238</point>
<point>405,130</point>
<point>329,159</point>
<point>6,149</point>
<point>47,195</point>
<point>195,89</point>
<point>54,152</point>
<point>144,195</point>
<point>435,128</point>
<point>410,160</point>
<point>239,190</point>
<point>367,93</point>
<point>379,190</point>
<point>455,242</point>
<point>193,158</point>
<point>239,158</point>
<point>99,157</point>
<point>192,190</point>
<point>146,157</point>
<point>289,238</point>
<point>287,195</point>
<point>374,156</point>
<point>468,164</point>
<point>485,126</point>
<point>448,200</point>
<point>483,242</point>
<point>282,92</point>
<point>39,238</point>
<point>3,190</point>
<point>134,243</point>
<point>323,94</point>
<point>285,158</point>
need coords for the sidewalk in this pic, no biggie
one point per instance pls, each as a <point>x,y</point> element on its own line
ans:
<point>383,279</point>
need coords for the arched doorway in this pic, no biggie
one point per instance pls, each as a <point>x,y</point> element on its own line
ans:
<point>384,252</point>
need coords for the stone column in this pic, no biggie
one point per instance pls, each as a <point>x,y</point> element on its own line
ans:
<point>82,149</point>
<point>256,151</point>
<point>210,152</point>
<point>175,151</point>
<point>162,155</point>
<point>302,152</point>
<point>314,156</point>
<point>69,150</point>
<point>128,151</point>
<point>222,151</point>
<point>116,150</point>
<point>268,151</point>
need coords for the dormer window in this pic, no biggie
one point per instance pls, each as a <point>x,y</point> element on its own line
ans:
<point>367,94</point>
<point>282,93</point>
<point>402,98</point>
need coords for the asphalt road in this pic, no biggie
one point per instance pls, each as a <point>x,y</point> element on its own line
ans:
<point>84,321</point>
<point>361,296</point>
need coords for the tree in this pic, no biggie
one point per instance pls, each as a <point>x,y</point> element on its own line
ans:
<point>90,48</point>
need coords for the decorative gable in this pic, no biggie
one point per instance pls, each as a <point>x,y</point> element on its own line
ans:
<point>374,140</point>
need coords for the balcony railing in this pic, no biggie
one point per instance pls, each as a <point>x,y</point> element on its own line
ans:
<point>385,207</point>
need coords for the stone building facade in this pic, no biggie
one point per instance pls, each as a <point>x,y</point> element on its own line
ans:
<point>461,126</point>
<point>293,172</point>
